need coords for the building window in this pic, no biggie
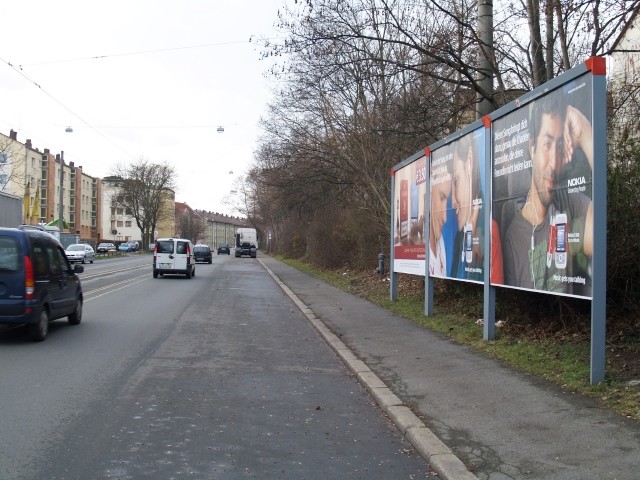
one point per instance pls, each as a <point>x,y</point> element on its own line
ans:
<point>127,223</point>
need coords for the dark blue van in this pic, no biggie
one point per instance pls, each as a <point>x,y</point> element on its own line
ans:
<point>37,282</point>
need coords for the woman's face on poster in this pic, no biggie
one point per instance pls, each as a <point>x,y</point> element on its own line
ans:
<point>461,193</point>
<point>439,194</point>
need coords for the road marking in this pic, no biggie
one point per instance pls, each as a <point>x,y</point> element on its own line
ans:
<point>109,288</point>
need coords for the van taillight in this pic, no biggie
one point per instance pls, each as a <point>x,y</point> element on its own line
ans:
<point>155,252</point>
<point>29,281</point>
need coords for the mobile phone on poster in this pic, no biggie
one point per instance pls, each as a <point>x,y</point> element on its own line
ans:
<point>468,243</point>
<point>404,208</point>
<point>560,255</point>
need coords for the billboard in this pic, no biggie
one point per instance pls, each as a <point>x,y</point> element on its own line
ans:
<point>457,230</point>
<point>410,193</point>
<point>542,191</point>
<point>541,210</point>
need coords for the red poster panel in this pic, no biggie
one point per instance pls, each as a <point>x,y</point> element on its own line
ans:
<point>410,201</point>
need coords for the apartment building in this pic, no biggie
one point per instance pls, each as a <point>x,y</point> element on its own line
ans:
<point>624,82</point>
<point>220,228</point>
<point>43,180</point>
<point>118,223</point>
<point>21,175</point>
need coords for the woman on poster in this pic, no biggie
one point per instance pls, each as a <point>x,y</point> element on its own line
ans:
<point>467,200</point>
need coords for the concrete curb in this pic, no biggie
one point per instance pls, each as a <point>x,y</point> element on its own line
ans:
<point>440,457</point>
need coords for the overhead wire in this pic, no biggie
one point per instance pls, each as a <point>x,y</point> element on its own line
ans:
<point>30,80</point>
<point>20,70</point>
<point>141,52</point>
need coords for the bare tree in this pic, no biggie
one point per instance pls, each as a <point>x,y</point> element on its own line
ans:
<point>11,165</point>
<point>365,83</point>
<point>189,224</point>
<point>562,33</point>
<point>143,189</point>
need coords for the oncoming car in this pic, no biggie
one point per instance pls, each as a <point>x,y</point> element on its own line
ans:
<point>224,248</point>
<point>80,252</point>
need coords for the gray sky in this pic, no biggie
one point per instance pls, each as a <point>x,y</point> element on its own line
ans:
<point>140,78</point>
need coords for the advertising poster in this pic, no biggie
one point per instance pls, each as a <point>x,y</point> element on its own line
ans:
<point>542,191</point>
<point>410,203</point>
<point>456,233</point>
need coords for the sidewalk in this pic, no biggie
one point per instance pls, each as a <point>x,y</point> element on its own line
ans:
<point>470,411</point>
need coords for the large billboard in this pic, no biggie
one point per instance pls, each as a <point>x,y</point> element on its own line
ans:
<point>410,193</point>
<point>457,202</point>
<point>542,191</point>
<point>541,219</point>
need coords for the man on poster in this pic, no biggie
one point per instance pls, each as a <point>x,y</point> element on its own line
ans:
<point>549,243</point>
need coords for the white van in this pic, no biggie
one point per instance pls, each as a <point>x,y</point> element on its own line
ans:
<point>173,256</point>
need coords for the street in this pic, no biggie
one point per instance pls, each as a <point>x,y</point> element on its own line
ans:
<point>216,377</point>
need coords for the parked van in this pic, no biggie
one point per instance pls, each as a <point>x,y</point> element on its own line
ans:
<point>173,256</point>
<point>37,282</point>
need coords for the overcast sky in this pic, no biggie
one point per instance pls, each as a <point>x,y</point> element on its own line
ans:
<point>150,79</point>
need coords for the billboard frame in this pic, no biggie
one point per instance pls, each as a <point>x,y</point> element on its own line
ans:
<point>596,67</point>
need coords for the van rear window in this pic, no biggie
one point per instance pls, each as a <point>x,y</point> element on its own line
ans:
<point>9,254</point>
<point>182,247</point>
<point>165,246</point>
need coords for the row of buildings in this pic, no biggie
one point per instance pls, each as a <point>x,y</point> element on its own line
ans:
<point>45,181</point>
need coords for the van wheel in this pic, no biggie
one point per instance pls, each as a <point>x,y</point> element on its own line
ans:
<point>189,273</point>
<point>155,274</point>
<point>38,331</point>
<point>76,317</point>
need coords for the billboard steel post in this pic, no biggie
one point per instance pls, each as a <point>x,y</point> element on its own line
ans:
<point>393,276</point>
<point>489,291</point>
<point>597,65</point>
<point>428,281</point>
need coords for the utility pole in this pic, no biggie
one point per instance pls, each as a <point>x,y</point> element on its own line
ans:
<point>485,54</point>
<point>61,197</point>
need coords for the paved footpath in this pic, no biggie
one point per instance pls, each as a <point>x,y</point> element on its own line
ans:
<point>468,414</point>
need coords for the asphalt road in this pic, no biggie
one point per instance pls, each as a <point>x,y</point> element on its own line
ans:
<point>217,377</point>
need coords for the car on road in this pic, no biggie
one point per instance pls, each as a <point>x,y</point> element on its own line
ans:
<point>105,247</point>
<point>224,248</point>
<point>80,252</point>
<point>173,256</point>
<point>37,282</point>
<point>202,253</point>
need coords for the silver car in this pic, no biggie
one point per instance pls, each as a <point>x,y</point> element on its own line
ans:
<point>80,252</point>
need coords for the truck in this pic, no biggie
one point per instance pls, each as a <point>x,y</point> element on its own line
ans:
<point>246,242</point>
